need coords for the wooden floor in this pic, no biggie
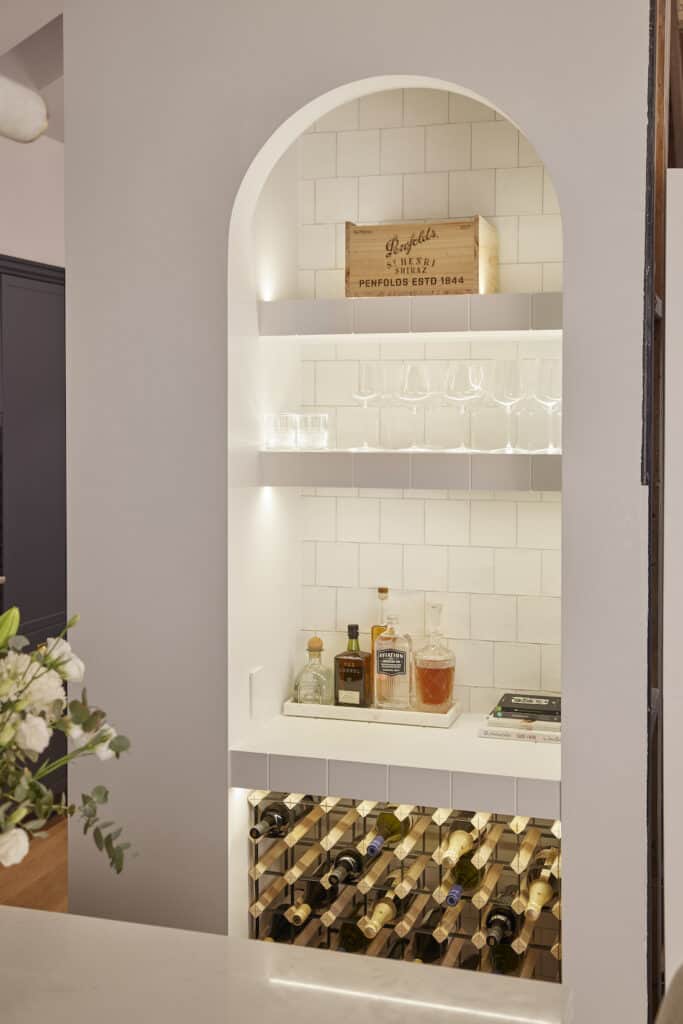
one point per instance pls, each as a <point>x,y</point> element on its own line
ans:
<point>40,881</point>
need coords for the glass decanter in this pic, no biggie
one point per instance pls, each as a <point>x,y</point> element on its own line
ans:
<point>313,684</point>
<point>434,667</point>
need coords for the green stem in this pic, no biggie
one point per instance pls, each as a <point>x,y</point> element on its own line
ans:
<point>52,766</point>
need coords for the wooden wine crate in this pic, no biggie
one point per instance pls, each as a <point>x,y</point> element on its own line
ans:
<point>450,257</point>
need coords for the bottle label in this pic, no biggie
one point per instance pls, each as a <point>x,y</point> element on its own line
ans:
<point>392,662</point>
<point>351,673</point>
<point>348,697</point>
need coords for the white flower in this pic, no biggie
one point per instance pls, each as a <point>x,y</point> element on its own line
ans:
<point>13,847</point>
<point>73,731</point>
<point>60,655</point>
<point>33,734</point>
<point>43,691</point>
<point>102,750</point>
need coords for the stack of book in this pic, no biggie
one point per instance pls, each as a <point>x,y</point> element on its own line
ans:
<point>534,718</point>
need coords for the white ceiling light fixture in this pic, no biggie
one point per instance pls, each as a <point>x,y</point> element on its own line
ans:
<point>23,113</point>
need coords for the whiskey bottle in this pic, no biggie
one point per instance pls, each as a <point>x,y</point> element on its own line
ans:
<point>275,821</point>
<point>347,867</point>
<point>389,832</point>
<point>313,684</point>
<point>378,629</point>
<point>434,668</point>
<point>352,674</point>
<point>392,668</point>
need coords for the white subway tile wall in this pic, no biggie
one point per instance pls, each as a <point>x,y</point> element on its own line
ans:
<point>424,154</point>
<point>492,561</point>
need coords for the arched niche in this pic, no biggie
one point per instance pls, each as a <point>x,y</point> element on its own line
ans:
<point>246,243</point>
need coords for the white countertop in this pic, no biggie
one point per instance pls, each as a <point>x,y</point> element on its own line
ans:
<point>65,969</point>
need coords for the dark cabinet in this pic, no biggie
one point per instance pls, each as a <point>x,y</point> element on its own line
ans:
<point>33,449</point>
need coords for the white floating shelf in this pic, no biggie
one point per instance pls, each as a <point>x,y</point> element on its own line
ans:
<point>475,315</point>
<point>383,716</point>
<point>422,470</point>
<point>438,767</point>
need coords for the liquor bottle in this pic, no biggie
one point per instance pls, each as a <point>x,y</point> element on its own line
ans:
<point>502,924</point>
<point>352,674</point>
<point>460,841</point>
<point>389,906</point>
<point>316,897</point>
<point>351,938</point>
<point>392,668</point>
<point>347,867</point>
<point>275,821</point>
<point>541,883</point>
<point>434,667</point>
<point>426,949</point>
<point>389,832</point>
<point>378,629</point>
<point>313,684</point>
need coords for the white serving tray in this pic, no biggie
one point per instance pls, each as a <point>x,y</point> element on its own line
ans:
<point>381,715</point>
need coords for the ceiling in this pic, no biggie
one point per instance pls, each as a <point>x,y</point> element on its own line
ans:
<point>38,62</point>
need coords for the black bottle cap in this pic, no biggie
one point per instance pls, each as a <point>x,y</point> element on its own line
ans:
<point>353,632</point>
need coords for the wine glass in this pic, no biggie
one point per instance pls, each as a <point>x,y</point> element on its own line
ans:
<point>368,389</point>
<point>549,394</point>
<point>508,391</point>
<point>464,386</point>
<point>414,391</point>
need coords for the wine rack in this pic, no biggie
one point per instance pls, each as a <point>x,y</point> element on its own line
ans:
<point>418,873</point>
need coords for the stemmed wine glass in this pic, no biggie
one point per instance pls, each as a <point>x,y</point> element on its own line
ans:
<point>464,386</point>
<point>414,391</point>
<point>508,391</point>
<point>549,394</point>
<point>369,389</point>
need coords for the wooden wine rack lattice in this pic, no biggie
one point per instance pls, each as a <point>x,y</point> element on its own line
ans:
<point>505,847</point>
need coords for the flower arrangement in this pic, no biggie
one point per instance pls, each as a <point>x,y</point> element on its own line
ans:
<point>33,704</point>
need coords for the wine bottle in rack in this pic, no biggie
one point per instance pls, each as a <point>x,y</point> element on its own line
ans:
<point>281,928</point>
<point>389,906</point>
<point>501,923</point>
<point>459,842</point>
<point>426,949</point>
<point>275,820</point>
<point>541,883</point>
<point>389,831</point>
<point>316,897</point>
<point>348,866</point>
<point>464,880</point>
<point>503,959</point>
<point>351,938</point>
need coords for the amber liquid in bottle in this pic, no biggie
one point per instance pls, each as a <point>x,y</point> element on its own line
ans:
<point>377,630</point>
<point>352,674</point>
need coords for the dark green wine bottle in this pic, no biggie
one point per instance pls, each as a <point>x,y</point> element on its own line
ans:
<point>426,949</point>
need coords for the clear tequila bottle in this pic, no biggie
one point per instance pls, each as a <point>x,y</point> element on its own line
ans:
<point>313,684</point>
